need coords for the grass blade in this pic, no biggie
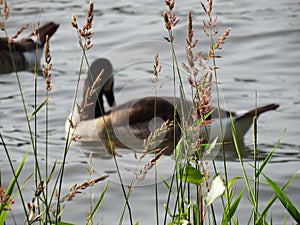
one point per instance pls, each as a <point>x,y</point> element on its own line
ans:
<point>286,202</point>
<point>96,207</point>
<point>232,209</point>
<point>235,140</point>
<point>273,199</point>
<point>268,158</point>
<point>4,208</point>
<point>37,109</point>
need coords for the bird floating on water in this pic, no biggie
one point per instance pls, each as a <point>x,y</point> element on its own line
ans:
<point>25,52</point>
<point>130,124</point>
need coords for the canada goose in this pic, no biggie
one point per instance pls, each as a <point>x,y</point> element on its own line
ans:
<point>130,123</point>
<point>27,51</point>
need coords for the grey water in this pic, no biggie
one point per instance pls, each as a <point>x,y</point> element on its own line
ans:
<point>259,58</point>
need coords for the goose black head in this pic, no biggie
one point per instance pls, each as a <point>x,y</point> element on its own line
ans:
<point>103,88</point>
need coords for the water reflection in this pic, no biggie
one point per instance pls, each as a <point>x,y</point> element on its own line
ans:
<point>284,152</point>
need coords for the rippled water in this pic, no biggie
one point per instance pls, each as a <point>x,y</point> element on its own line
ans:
<point>262,54</point>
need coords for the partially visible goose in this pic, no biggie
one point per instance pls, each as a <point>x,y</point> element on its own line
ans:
<point>27,51</point>
<point>128,124</point>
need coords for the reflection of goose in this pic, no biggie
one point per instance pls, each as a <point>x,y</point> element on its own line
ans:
<point>130,123</point>
<point>27,51</point>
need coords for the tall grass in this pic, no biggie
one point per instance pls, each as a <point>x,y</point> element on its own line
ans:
<point>46,206</point>
<point>190,169</point>
<point>192,189</point>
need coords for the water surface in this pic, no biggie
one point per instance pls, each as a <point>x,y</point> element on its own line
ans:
<point>261,55</point>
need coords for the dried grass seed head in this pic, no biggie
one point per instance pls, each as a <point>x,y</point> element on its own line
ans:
<point>170,17</point>
<point>89,98</point>
<point>149,165</point>
<point>77,188</point>
<point>48,66</point>
<point>74,22</point>
<point>170,4</point>
<point>221,40</point>
<point>90,16</point>
<point>190,32</point>
<point>47,50</point>
<point>18,33</point>
<point>167,21</point>
<point>156,67</point>
<point>85,32</point>
<point>5,10</point>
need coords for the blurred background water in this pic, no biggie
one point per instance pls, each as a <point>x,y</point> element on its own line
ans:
<point>261,55</point>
